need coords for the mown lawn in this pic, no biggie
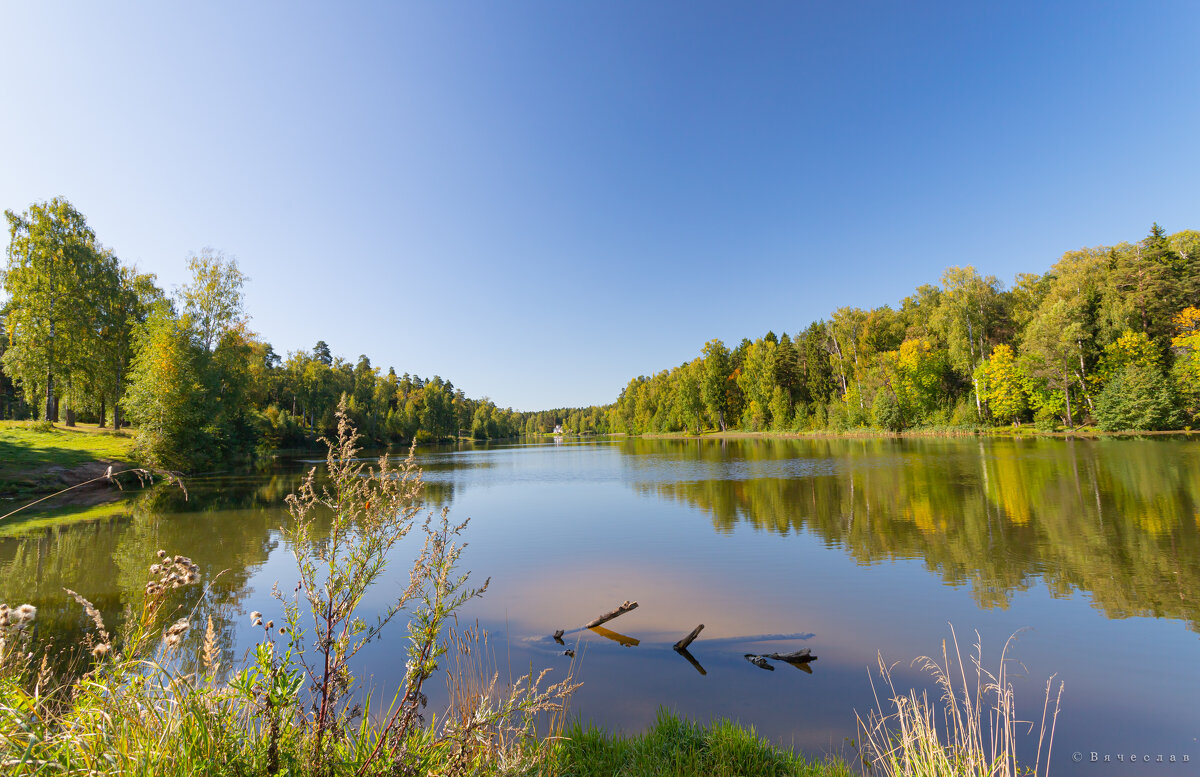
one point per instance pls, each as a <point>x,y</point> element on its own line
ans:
<point>32,454</point>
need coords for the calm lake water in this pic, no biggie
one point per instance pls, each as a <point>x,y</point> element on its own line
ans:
<point>849,547</point>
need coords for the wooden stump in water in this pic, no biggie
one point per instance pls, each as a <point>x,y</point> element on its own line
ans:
<point>606,617</point>
<point>759,661</point>
<point>795,657</point>
<point>683,643</point>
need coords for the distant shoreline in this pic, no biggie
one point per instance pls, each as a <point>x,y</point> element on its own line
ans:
<point>869,434</point>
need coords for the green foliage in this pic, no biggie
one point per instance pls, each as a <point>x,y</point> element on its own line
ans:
<point>1186,370</point>
<point>780,410</point>
<point>1003,386</point>
<point>962,354</point>
<point>167,397</point>
<point>887,411</point>
<point>212,300</point>
<point>1131,348</point>
<point>964,414</point>
<point>1140,397</point>
<point>56,278</point>
<point>280,430</point>
<point>716,374</point>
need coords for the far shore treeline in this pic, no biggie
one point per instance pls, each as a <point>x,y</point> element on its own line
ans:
<point>1108,336</point>
<point>88,338</point>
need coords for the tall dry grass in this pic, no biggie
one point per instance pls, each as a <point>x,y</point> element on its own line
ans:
<point>973,730</point>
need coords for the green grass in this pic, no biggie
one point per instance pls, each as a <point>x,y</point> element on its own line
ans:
<point>29,451</point>
<point>675,747</point>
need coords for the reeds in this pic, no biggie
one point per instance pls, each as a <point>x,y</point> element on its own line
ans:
<point>973,732</point>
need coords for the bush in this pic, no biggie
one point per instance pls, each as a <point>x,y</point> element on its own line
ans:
<point>836,417</point>
<point>965,413</point>
<point>1139,397</point>
<point>1045,420</point>
<point>819,418</point>
<point>888,413</point>
<point>278,429</point>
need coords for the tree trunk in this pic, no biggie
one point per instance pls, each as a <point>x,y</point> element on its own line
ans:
<point>51,411</point>
<point>103,412</point>
<point>70,414</point>
<point>1087,395</point>
<point>117,403</point>
<point>1067,394</point>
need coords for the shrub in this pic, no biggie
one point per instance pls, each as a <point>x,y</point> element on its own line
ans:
<point>1139,397</point>
<point>887,411</point>
<point>1045,420</point>
<point>965,413</point>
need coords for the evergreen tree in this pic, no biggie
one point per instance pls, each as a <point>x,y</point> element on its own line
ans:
<point>1140,397</point>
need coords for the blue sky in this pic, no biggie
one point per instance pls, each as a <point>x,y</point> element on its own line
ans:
<point>539,201</point>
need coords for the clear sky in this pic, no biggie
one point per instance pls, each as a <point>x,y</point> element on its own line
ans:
<point>539,201</point>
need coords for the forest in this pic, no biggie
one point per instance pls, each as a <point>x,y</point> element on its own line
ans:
<point>85,337</point>
<point>1108,336</point>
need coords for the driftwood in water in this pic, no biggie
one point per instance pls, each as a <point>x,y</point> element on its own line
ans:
<point>683,643</point>
<point>558,636</point>
<point>691,659</point>
<point>759,661</point>
<point>795,657</point>
<point>606,617</point>
<point>621,639</point>
<point>571,653</point>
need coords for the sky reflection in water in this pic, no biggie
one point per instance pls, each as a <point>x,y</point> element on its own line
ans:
<point>847,547</point>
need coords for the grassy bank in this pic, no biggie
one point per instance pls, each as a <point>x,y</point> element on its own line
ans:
<point>36,458</point>
<point>673,747</point>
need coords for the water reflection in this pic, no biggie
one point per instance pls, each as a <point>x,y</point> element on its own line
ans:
<point>228,524</point>
<point>852,546</point>
<point>1116,518</point>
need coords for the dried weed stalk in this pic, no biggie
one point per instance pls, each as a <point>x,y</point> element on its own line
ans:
<point>973,733</point>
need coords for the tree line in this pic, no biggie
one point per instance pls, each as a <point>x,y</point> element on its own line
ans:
<point>86,337</point>
<point>1108,335</point>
